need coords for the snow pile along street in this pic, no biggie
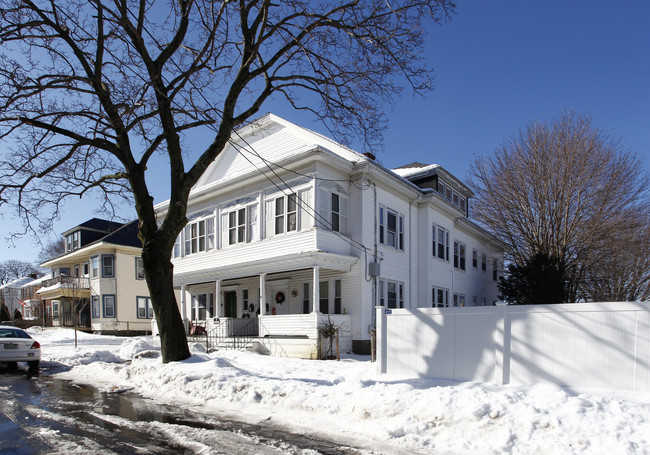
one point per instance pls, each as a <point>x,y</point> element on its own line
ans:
<point>349,402</point>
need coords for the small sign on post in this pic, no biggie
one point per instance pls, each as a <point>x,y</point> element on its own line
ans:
<point>388,311</point>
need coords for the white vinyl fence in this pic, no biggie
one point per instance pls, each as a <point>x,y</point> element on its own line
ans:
<point>590,345</point>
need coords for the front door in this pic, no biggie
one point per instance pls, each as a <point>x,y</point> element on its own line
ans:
<point>231,303</point>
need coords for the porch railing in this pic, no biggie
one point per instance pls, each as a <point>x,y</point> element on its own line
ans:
<point>229,333</point>
<point>71,282</point>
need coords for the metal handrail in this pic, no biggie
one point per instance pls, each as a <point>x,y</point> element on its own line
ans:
<point>223,335</point>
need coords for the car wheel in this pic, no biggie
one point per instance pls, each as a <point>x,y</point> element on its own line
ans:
<point>12,366</point>
<point>33,363</point>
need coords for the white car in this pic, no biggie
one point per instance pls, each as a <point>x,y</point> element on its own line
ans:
<point>17,346</point>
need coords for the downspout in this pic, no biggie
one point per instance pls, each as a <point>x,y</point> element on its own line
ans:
<point>373,313</point>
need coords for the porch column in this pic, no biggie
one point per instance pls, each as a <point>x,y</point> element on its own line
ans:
<point>217,299</point>
<point>263,294</point>
<point>183,304</point>
<point>315,295</point>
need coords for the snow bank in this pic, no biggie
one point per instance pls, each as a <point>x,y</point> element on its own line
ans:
<point>350,402</point>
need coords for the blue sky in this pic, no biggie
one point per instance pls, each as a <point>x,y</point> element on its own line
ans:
<point>500,64</point>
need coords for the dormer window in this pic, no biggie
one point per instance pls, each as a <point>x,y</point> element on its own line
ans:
<point>72,241</point>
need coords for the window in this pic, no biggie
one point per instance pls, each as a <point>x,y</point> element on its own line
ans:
<point>55,308</point>
<point>244,299</point>
<point>439,297</point>
<point>337,296</point>
<point>75,240</point>
<point>108,266</point>
<point>474,258</point>
<point>86,269</point>
<point>64,271</point>
<point>109,306</point>
<point>76,270</point>
<point>199,236</point>
<point>145,310</point>
<point>324,297</point>
<point>494,269</point>
<point>306,301</point>
<point>139,269</point>
<point>281,215</point>
<point>332,211</point>
<point>474,301</point>
<point>459,255</point>
<point>94,306</point>
<point>391,229</point>
<point>459,299</point>
<point>393,295</point>
<point>381,225</point>
<point>239,225</point>
<point>202,306</point>
<point>443,243</point>
<point>339,213</point>
<point>176,252</point>
<point>483,262</point>
<point>94,262</point>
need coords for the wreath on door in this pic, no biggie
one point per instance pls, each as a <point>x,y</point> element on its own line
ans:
<point>279,297</point>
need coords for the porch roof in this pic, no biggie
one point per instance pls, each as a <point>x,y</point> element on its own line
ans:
<point>276,264</point>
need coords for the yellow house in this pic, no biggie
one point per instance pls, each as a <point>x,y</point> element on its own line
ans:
<point>99,281</point>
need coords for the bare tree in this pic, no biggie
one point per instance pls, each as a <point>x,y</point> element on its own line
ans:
<point>92,91</point>
<point>565,189</point>
<point>619,269</point>
<point>51,250</point>
<point>14,269</point>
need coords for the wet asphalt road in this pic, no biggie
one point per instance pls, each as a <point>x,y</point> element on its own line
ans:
<point>43,415</point>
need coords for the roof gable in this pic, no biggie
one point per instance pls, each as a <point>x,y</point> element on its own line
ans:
<point>269,139</point>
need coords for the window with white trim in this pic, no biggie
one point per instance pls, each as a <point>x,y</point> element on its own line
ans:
<point>306,298</point>
<point>281,215</point>
<point>333,210</point>
<point>439,297</point>
<point>459,300</point>
<point>139,269</point>
<point>475,258</point>
<point>391,293</point>
<point>495,273</point>
<point>94,265</point>
<point>391,228</point>
<point>483,262</point>
<point>202,306</point>
<point>94,307</point>
<point>441,243</point>
<point>199,236</point>
<point>459,255</point>
<point>239,225</point>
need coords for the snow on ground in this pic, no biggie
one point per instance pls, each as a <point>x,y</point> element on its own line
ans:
<point>349,402</point>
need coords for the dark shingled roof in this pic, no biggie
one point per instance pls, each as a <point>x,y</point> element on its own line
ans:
<point>97,224</point>
<point>127,235</point>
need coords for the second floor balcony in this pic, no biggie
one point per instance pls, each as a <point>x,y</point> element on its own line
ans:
<point>65,286</point>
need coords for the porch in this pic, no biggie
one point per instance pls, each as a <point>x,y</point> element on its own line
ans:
<point>308,336</point>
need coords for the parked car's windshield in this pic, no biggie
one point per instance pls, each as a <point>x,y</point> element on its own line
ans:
<point>13,333</point>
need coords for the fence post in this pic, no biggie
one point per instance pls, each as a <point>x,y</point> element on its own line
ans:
<point>382,340</point>
<point>501,346</point>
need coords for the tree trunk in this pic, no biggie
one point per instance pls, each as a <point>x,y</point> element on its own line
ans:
<point>159,274</point>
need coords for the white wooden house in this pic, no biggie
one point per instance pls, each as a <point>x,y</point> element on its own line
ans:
<point>289,231</point>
